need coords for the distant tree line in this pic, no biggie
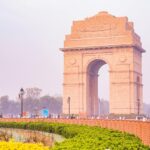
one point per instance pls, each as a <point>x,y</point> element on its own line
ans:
<point>32,103</point>
<point>104,108</point>
<point>147,109</point>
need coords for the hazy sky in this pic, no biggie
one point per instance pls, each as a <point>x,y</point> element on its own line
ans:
<point>32,31</point>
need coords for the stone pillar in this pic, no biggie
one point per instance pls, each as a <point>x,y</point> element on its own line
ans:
<point>93,104</point>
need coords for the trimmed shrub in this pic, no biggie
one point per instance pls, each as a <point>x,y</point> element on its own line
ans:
<point>79,137</point>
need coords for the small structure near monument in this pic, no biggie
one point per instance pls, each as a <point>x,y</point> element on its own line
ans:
<point>93,42</point>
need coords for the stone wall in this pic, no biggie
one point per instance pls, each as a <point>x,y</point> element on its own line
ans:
<point>138,128</point>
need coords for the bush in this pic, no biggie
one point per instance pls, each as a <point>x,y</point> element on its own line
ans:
<point>84,137</point>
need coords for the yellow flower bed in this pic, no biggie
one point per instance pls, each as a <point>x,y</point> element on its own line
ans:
<point>12,145</point>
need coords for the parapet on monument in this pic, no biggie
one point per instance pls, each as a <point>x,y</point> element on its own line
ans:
<point>93,42</point>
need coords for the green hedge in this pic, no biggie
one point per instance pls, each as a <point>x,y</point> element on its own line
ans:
<point>84,137</point>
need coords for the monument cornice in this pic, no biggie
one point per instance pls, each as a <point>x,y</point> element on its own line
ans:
<point>103,47</point>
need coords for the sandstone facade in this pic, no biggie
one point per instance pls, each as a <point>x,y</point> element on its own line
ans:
<point>93,42</point>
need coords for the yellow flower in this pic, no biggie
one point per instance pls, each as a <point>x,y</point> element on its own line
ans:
<point>12,145</point>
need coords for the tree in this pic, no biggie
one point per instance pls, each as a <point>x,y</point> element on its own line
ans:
<point>33,93</point>
<point>8,106</point>
<point>4,104</point>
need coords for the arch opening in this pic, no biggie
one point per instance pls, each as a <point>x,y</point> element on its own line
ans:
<point>93,88</point>
<point>103,90</point>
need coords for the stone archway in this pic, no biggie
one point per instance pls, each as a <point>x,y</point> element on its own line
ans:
<point>92,87</point>
<point>93,42</point>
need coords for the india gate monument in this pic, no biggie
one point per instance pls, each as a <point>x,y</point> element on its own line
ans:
<point>92,43</point>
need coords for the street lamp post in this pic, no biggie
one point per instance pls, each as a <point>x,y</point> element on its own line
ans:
<point>69,106</point>
<point>138,105</point>
<point>21,93</point>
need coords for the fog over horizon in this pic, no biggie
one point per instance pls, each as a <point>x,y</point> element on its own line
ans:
<point>32,31</point>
